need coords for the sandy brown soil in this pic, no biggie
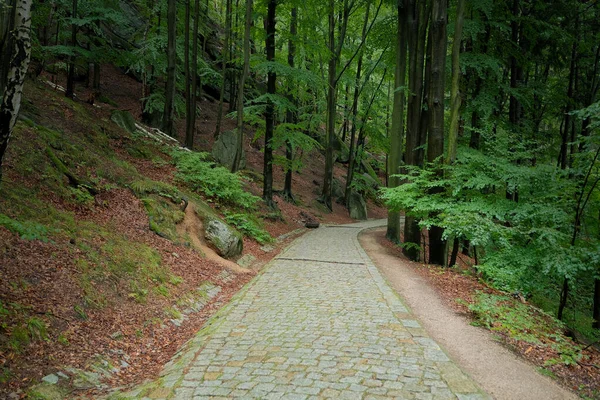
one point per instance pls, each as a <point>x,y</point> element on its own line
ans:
<point>498,371</point>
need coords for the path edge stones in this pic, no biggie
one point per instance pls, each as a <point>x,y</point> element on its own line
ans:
<point>172,374</point>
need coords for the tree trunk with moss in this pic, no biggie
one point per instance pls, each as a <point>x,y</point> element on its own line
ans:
<point>15,47</point>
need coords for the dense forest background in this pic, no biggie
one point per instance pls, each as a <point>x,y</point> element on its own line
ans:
<point>483,115</point>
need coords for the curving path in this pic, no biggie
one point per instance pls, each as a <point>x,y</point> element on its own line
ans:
<point>319,322</point>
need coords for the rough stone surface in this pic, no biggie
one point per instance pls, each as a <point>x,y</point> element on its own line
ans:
<point>246,260</point>
<point>124,119</point>
<point>357,206</point>
<point>337,190</point>
<point>227,242</point>
<point>320,322</point>
<point>51,379</point>
<point>224,149</point>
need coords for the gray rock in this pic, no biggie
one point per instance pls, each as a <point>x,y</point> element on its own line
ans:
<point>124,119</point>
<point>51,379</point>
<point>118,335</point>
<point>62,375</point>
<point>357,206</point>
<point>224,149</point>
<point>86,380</point>
<point>267,248</point>
<point>226,241</point>
<point>337,190</point>
<point>246,261</point>
<point>373,183</point>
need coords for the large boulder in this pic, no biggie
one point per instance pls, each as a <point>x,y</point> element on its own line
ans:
<point>374,184</point>
<point>224,150</point>
<point>357,206</point>
<point>226,241</point>
<point>337,190</point>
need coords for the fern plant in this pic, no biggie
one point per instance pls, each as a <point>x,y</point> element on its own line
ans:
<point>215,182</point>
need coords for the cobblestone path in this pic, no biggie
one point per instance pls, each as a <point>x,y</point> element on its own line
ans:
<point>319,322</point>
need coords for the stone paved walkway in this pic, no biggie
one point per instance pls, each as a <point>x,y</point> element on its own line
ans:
<point>319,322</point>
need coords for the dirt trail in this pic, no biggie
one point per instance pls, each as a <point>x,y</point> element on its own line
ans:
<point>498,371</point>
<point>192,225</point>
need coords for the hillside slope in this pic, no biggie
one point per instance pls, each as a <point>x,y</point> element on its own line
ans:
<point>102,275</point>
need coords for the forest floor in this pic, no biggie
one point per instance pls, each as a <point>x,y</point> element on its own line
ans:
<point>46,279</point>
<point>431,294</point>
<point>88,328</point>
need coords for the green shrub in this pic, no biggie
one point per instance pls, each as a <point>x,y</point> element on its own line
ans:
<point>249,226</point>
<point>213,181</point>
<point>523,322</point>
<point>26,230</point>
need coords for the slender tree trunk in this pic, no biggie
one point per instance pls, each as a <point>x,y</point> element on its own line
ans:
<point>189,138</point>
<point>270,113</point>
<point>346,114</point>
<point>454,255</point>
<point>397,133</point>
<point>168,114</point>
<point>455,95</point>
<point>15,47</point>
<point>416,126</point>
<point>418,17</point>
<point>291,115</point>
<point>239,150</point>
<point>565,159</point>
<point>96,77</point>
<point>224,67</point>
<point>354,113</point>
<point>335,48</point>
<point>70,91</point>
<point>596,311</point>
<point>331,92</point>
<point>233,75</point>
<point>435,141</point>
<point>189,107</point>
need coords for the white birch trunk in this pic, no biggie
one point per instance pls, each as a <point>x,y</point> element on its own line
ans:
<point>15,42</point>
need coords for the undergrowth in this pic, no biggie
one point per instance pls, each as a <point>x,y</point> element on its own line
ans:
<point>523,322</point>
<point>249,226</point>
<point>216,183</point>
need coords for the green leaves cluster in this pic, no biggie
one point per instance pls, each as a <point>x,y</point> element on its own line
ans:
<point>215,182</point>
<point>517,240</point>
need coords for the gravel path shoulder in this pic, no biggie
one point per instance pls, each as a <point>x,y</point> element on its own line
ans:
<point>496,369</point>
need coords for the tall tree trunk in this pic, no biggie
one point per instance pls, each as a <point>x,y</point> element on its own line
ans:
<point>397,133</point>
<point>225,60</point>
<point>239,149</point>
<point>596,307</point>
<point>189,107</point>
<point>514,112</point>
<point>189,138</point>
<point>96,76</point>
<point>435,141</point>
<point>233,75</point>
<point>331,92</point>
<point>418,18</point>
<point>291,115</point>
<point>70,91</point>
<point>15,47</point>
<point>270,112</point>
<point>354,113</point>
<point>168,114</point>
<point>332,80</point>
<point>454,94</point>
